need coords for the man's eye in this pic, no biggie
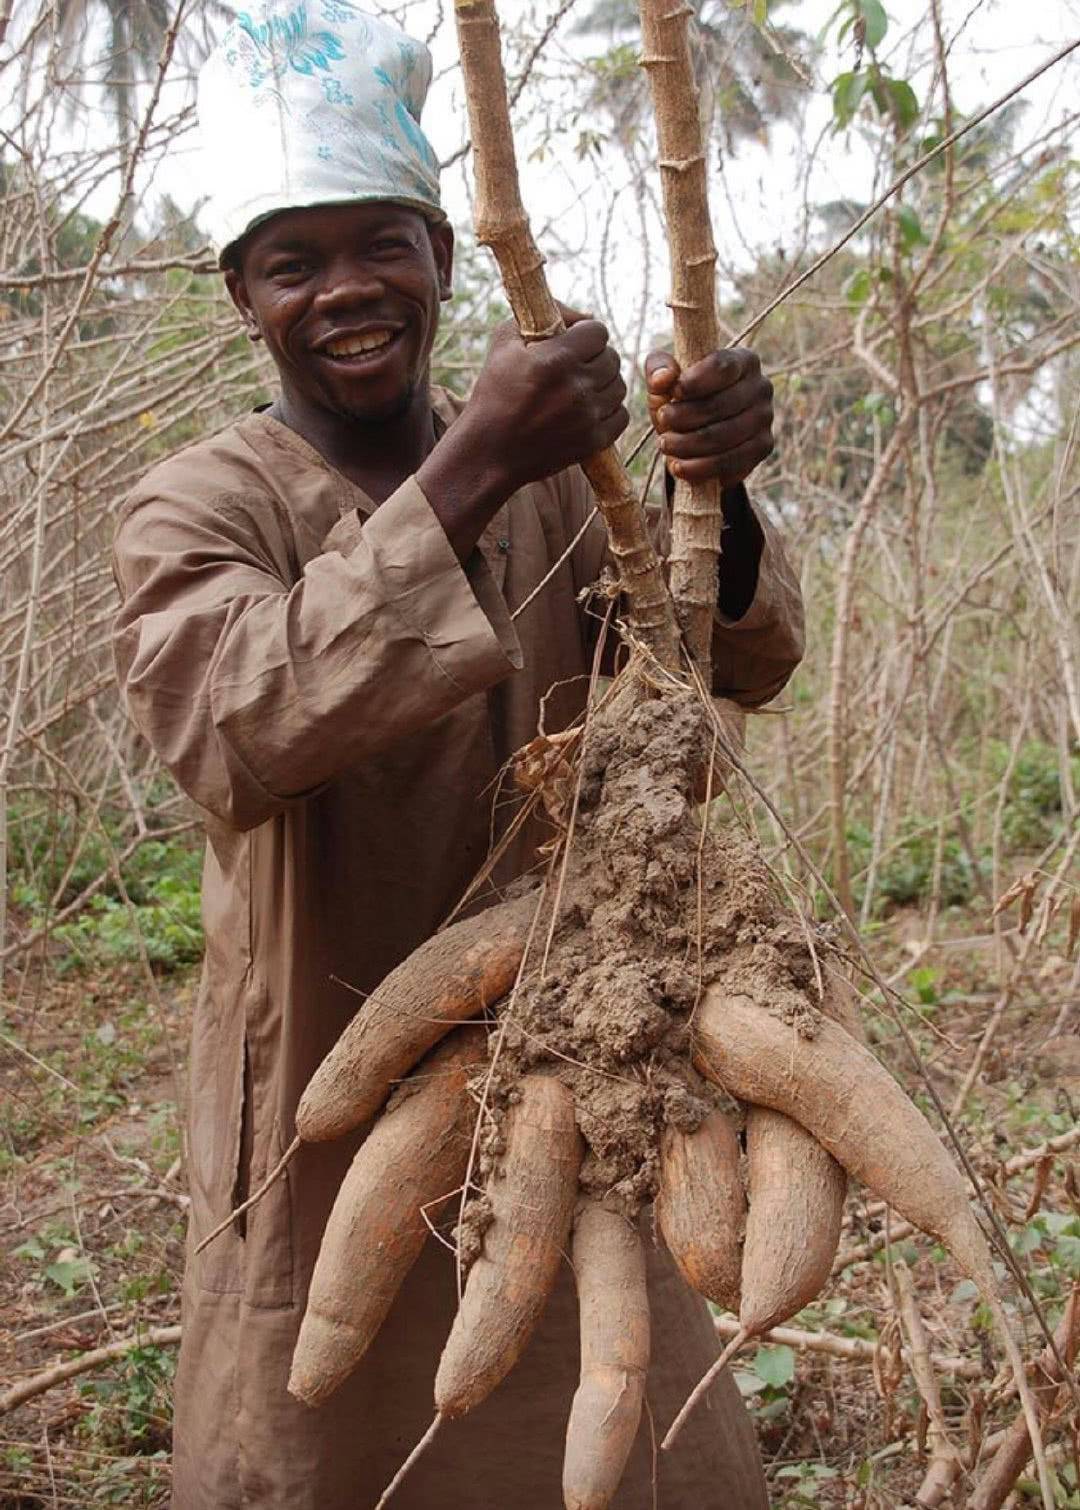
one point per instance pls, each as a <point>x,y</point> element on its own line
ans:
<point>292,267</point>
<point>391,244</point>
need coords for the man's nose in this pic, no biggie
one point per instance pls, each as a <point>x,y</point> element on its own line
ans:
<point>350,280</point>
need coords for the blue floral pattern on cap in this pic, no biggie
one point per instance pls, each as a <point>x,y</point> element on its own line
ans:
<point>286,39</point>
<point>310,103</point>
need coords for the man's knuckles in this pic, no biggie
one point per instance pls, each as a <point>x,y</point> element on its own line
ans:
<point>732,467</point>
<point>722,436</point>
<point>684,415</point>
<point>719,371</point>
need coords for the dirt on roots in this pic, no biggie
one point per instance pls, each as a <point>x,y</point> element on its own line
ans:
<point>653,910</point>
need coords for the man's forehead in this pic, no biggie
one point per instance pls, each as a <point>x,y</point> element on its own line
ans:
<point>303,226</point>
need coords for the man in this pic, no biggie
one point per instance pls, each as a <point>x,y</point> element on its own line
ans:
<point>317,637</point>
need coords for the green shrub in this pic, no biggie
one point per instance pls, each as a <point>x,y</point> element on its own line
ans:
<point>905,873</point>
<point>162,880</point>
<point>165,911</point>
<point>1033,805</point>
<point>129,1406</point>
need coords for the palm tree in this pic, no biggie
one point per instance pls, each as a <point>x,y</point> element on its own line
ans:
<point>743,74</point>
<point>120,42</point>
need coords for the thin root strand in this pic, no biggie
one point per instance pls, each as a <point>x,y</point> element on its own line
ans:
<point>410,1462</point>
<point>703,1386</point>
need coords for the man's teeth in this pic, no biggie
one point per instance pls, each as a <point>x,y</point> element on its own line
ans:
<point>351,346</point>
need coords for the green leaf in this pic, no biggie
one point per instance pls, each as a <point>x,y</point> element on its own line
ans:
<point>911,236</point>
<point>877,22</point>
<point>857,288</point>
<point>904,102</point>
<point>30,1249</point>
<point>773,1409</point>
<point>775,1366</point>
<point>69,1274</point>
<point>925,977</point>
<point>1027,1240</point>
<point>847,90</point>
<point>761,12</point>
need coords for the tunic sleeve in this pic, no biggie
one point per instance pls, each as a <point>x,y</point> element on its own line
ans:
<point>256,688</point>
<point>753,656</point>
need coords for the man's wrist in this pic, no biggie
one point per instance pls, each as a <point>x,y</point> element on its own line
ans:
<point>464,485</point>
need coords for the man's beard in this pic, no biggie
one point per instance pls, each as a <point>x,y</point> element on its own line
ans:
<point>395,409</point>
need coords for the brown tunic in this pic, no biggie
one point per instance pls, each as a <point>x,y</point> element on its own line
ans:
<point>338,694</point>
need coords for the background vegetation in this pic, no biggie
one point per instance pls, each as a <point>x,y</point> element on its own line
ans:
<point>927,759</point>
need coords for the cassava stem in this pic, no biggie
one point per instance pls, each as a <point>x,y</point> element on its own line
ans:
<point>698,517</point>
<point>502,224</point>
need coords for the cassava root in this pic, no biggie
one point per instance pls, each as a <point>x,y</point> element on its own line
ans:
<point>452,977</point>
<point>825,1080</point>
<point>455,975</point>
<point>701,1207</point>
<point>532,1206</point>
<point>377,1226</point>
<point>609,1266</point>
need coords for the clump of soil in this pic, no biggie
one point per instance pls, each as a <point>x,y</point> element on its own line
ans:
<point>652,912</point>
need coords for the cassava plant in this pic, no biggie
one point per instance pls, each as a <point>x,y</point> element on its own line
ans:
<point>651,1000</point>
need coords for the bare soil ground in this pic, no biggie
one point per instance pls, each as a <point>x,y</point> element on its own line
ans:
<point>92,1212</point>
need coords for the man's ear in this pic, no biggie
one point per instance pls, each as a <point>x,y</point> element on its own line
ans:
<point>234,282</point>
<point>442,244</point>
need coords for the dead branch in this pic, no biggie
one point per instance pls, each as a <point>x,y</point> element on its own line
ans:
<point>59,1373</point>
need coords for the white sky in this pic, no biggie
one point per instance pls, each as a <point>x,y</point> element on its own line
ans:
<point>993,43</point>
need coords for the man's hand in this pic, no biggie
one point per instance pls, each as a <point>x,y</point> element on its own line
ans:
<point>534,410</point>
<point>714,420</point>
<point>544,406</point>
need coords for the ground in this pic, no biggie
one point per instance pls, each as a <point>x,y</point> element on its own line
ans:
<point>93,1211</point>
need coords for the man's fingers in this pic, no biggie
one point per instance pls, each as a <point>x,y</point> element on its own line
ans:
<point>661,373</point>
<point>602,369</point>
<point>716,440</point>
<point>612,427</point>
<point>718,371</point>
<point>586,339</point>
<point>730,468</point>
<point>571,316</point>
<point>684,415</point>
<point>610,397</point>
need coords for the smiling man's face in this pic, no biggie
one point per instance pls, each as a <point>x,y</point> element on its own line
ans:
<point>347,299</point>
